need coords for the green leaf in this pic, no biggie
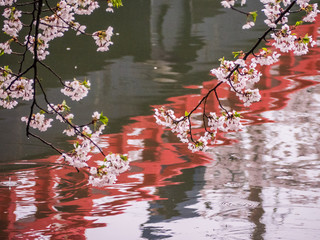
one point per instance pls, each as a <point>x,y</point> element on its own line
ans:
<point>7,69</point>
<point>1,52</point>
<point>221,60</point>
<point>186,113</point>
<point>254,15</point>
<point>103,119</point>
<point>236,114</point>
<point>235,54</point>
<point>124,158</point>
<point>85,83</point>
<point>65,106</point>
<point>306,39</point>
<point>116,3</point>
<point>42,112</point>
<point>299,23</point>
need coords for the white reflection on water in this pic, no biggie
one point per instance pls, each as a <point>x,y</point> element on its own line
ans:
<point>291,213</point>
<point>123,226</point>
<point>24,190</point>
<point>275,165</point>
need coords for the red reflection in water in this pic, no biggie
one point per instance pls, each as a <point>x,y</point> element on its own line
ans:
<point>55,201</point>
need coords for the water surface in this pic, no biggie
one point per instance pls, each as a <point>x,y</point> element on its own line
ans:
<point>260,183</point>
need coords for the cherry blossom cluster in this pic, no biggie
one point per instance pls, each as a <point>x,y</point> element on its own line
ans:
<point>108,169</point>
<point>85,7</point>
<point>76,90</point>
<point>5,47</point>
<point>103,39</point>
<point>63,18</point>
<point>12,25</point>
<point>7,2</point>
<point>62,112</point>
<point>251,16</point>
<point>231,3</point>
<point>42,45</point>
<point>55,25</point>
<point>287,41</point>
<point>273,9</point>
<point>88,141</point>
<point>266,57</point>
<point>13,88</point>
<point>181,126</point>
<point>43,24</point>
<point>311,11</point>
<point>226,122</point>
<point>240,78</point>
<point>38,121</point>
<point>229,121</point>
<point>242,74</point>
<point>83,147</point>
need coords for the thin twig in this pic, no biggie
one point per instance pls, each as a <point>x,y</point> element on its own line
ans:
<point>53,72</point>
<point>45,142</point>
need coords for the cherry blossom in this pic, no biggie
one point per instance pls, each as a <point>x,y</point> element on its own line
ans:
<point>301,45</point>
<point>303,3</point>
<point>86,7</point>
<point>12,25</point>
<point>42,46</point>
<point>108,170</point>
<point>312,11</point>
<point>12,88</point>
<point>228,3</point>
<point>76,90</point>
<point>38,121</point>
<point>287,41</point>
<point>7,2</point>
<point>266,57</point>
<point>248,25</point>
<point>103,39</point>
<point>5,47</point>
<point>110,9</point>
<point>249,96</point>
<point>284,39</point>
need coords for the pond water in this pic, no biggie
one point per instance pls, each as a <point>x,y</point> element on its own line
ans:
<point>260,183</point>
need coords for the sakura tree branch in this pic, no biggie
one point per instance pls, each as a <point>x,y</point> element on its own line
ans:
<point>241,74</point>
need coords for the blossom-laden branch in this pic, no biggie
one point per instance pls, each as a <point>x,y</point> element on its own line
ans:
<point>241,75</point>
<point>46,24</point>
